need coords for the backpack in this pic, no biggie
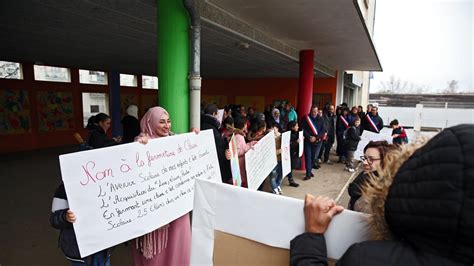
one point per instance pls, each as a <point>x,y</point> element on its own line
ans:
<point>345,135</point>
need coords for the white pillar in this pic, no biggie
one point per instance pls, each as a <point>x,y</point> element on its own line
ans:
<point>340,87</point>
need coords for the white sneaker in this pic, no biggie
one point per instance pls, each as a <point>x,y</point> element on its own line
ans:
<point>275,191</point>
<point>351,170</point>
<point>279,190</point>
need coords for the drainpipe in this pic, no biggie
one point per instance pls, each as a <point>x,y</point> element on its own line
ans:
<point>195,75</point>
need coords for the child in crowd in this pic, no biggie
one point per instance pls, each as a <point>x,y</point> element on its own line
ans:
<point>62,218</point>
<point>294,150</point>
<point>258,131</point>
<point>240,125</point>
<point>399,134</point>
<point>276,174</point>
<point>227,128</point>
<point>352,140</point>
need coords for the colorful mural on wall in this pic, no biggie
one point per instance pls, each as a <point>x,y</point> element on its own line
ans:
<point>55,111</point>
<point>14,112</point>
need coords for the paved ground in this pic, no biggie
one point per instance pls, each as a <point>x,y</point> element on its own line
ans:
<point>28,181</point>
<point>329,180</point>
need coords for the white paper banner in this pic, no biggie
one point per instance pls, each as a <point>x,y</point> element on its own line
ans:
<point>301,147</point>
<point>260,160</point>
<point>253,216</point>
<point>285,153</point>
<point>220,116</point>
<point>122,192</point>
<point>368,136</point>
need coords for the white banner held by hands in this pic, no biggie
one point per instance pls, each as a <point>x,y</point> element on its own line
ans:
<point>260,160</point>
<point>125,191</point>
<point>301,147</point>
<point>285,153</point>
<point>366,137</point>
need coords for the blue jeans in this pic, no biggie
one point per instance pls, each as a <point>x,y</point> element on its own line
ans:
<point>310,151</point>
<point>98,259</point>
<point>276,176</point>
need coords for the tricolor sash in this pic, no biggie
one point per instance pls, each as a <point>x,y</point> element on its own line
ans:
<point>372,124</point>
<point>344,121</point>
<point>312,126</point>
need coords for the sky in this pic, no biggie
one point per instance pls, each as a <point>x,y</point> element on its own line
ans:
<point>425,42</point>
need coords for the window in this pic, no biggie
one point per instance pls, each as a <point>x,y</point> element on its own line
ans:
<point>10,70</point>
<point>149,82</point>
<point>128,80</point>
<point>50,73</point>
<point>94,103</point>
<point>92,77</point>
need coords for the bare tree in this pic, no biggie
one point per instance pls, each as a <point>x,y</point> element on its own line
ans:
<point>452,88</point>
<point>393,85</point>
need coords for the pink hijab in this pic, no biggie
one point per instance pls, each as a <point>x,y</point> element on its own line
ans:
<point>151,119</point>
<point>156,241</point>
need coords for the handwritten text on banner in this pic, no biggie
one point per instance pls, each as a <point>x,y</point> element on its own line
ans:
<point>261,160</point>
<point>285,153</point>
<point>122,192</point>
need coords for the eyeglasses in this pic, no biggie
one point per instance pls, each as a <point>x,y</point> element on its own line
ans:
<point>369,160</point>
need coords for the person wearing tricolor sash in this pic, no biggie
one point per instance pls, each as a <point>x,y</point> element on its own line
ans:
<point>342,123</point>
<point>374,122</point>
<point>313,131</point>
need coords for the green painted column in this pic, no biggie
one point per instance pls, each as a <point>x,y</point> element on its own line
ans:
<point>173,62</point>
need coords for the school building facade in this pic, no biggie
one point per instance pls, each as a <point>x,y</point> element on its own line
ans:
<point>63,61</point>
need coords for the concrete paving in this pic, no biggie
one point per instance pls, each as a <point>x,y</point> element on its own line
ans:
<point>28,183</point>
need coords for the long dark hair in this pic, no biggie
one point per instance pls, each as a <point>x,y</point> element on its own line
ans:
<point>101,117</point>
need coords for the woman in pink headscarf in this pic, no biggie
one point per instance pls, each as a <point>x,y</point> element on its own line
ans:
<point>171,244</point>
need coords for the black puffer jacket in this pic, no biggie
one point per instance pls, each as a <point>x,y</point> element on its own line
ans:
<point>429,210</point>
<point>209,122</point>
<point>353,138</point>
<point>99,139</point>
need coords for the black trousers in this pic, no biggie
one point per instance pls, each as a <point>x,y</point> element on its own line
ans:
<point>326,148</point>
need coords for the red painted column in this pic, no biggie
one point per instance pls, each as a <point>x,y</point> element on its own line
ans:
<point>305,87</point>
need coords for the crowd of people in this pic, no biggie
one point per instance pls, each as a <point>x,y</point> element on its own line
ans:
<point>322,128</point>
<point>420,197</point>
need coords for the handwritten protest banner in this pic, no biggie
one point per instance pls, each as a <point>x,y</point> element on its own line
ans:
<point>301,147</point>
<point>260,160</point>
<point>285,153</point>
<point>122,192</point>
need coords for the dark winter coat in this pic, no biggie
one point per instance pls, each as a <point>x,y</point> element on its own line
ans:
<point>294,150</point>
<point>340,126</point>
<point>98,138</point>
<point>308,132</point>
<point>209,122</point>
<point>131,128</point>
<point>330,125</point>
<point>354,189</point>
<point>402,136</point>
<point>428,211</point>
<point>378,121</point>
<point>67,237</point>
<point>352,138</point>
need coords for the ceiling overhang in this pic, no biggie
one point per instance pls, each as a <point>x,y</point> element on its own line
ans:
<point>121,36</point>
<point>334,29</point>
